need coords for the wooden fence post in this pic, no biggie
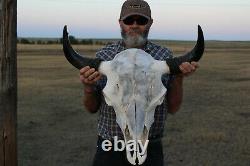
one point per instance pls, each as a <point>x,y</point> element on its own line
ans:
<point>8,83</point>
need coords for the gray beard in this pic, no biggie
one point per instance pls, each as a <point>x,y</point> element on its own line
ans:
<point>134,41</point>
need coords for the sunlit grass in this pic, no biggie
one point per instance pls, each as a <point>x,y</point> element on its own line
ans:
<point>211,128</point>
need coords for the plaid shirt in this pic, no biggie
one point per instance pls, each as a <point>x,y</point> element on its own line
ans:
<point>107,125</point>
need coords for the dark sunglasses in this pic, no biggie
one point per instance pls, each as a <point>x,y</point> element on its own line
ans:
<point>139,21</point>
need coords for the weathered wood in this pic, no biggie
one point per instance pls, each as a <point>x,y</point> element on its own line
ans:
<point>8,84</point>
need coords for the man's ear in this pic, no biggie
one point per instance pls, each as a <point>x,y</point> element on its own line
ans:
<point>120,22</point>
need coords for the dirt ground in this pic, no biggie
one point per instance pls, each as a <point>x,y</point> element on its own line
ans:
<point>212,128</point>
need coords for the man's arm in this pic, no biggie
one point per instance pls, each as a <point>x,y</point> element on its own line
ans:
<point>92,97</point>
<point>175,93</point>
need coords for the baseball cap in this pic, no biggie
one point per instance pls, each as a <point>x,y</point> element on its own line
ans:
<point>135,7</point>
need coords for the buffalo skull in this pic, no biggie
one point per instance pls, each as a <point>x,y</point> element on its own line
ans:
<point>134,87</point>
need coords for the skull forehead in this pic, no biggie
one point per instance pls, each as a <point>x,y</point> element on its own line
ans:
<point>130,61</point>
<point>133,74</point>
<point>133,71</point>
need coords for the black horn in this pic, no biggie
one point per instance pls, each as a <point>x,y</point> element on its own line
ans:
<point>74,58</point>
<point>194,55</point>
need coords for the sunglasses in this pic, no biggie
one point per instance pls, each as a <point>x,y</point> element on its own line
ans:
<point>138,20</point>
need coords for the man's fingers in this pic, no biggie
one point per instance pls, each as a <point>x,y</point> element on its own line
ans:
<point>89,75</point>
<point>93,76</point>
<point>195,64</point>
<point>84,69</point>
<point>185,67</point>
<point>89,72</point>
<point>88,81</point>
<point>97,78</point>
<point>84,80</point>
<point>188,68</point>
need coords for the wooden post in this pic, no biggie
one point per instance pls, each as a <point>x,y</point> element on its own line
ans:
<point>8,83</point>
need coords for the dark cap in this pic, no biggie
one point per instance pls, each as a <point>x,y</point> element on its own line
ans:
<point>135,7</point>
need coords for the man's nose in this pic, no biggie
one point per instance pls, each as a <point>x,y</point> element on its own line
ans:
<point>134,24</point>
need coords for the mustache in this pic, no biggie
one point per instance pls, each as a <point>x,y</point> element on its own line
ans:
<point>135,30</point>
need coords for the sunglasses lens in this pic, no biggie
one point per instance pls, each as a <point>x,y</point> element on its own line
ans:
<point>139,21</point>
<point>129,21</point>
<point>142,21</point>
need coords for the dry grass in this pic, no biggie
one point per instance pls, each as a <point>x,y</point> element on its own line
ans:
<point>211,128</point>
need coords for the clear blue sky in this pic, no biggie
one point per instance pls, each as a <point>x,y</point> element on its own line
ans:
<point>173,19</point>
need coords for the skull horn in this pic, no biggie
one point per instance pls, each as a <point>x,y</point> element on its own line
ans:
<point>74,58</point>
<point>194,55</point>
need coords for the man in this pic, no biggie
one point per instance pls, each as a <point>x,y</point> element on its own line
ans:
<point>135,22</point>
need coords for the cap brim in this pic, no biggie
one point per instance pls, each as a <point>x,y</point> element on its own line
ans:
<point>131,14</point>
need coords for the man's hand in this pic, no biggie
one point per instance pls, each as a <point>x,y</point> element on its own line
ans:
<point>89,76</point>
<point>188,68</point>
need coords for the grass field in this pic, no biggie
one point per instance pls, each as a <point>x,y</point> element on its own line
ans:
<point>212,128</point>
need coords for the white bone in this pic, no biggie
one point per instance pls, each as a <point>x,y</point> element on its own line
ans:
<point>134,89</point>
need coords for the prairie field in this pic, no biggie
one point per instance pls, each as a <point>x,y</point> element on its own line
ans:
<point>212,127</point>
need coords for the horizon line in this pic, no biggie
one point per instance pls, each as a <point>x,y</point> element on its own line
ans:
<point>95,38</point>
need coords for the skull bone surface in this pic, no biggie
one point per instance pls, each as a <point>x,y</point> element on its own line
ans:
<point>134,89</point>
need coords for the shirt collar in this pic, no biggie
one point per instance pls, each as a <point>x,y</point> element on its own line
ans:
<point>147,47</point>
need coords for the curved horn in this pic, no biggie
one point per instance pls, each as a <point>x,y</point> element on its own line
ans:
<point>194,55</point>
<point>74,58</point>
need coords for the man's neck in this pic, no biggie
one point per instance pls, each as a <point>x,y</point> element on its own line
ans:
<point>139,47</point>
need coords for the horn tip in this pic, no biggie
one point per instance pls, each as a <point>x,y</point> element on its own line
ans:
<point>200,32</point>
<point>199,27</point>
<point>65,27</point>
<point>65,31</point>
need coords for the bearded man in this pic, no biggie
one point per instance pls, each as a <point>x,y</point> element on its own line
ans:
<point>135,22</point>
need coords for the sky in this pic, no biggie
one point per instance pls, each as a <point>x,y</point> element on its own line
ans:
<point>173,19</point>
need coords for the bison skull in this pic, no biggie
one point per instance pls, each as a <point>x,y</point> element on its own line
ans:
<point>134,87</point>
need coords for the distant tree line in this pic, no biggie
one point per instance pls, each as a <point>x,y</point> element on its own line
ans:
<point>72,40</point>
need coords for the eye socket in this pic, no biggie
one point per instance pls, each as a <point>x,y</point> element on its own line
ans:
<point>127,131</point>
